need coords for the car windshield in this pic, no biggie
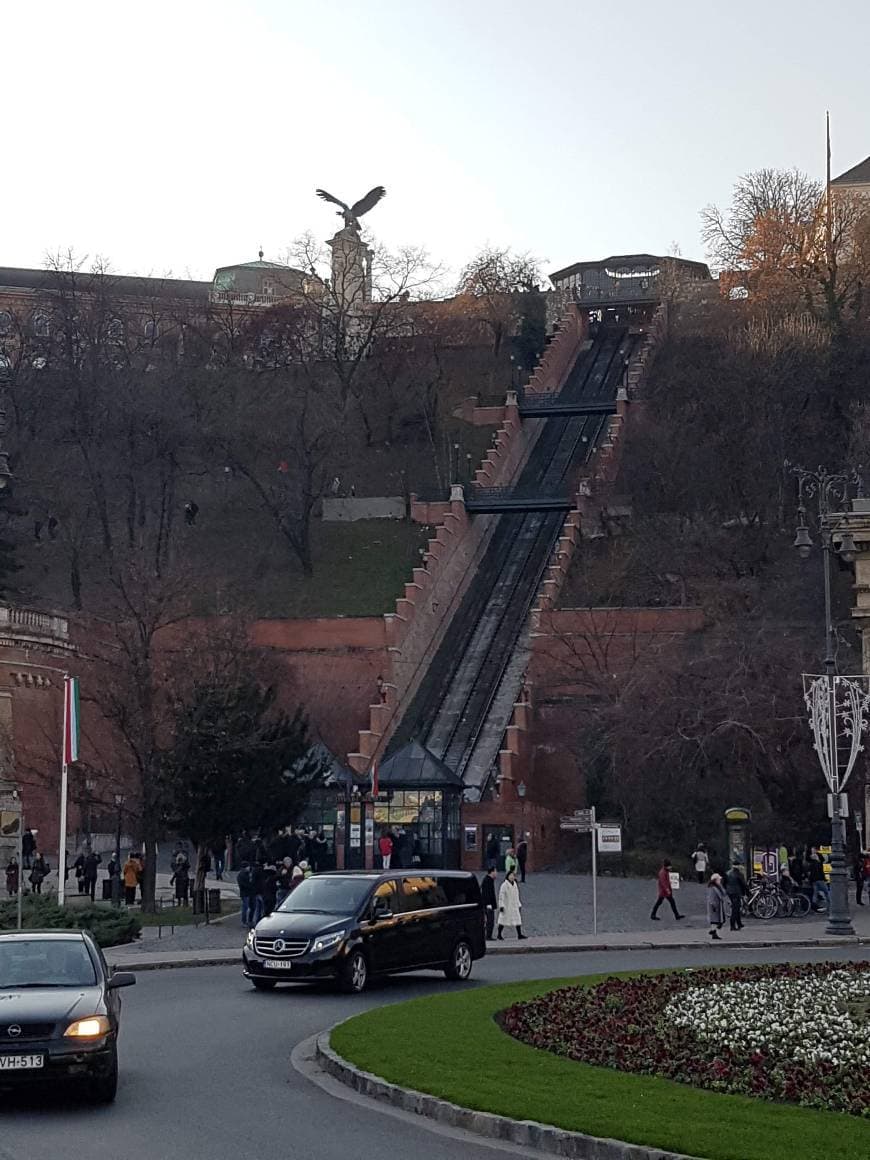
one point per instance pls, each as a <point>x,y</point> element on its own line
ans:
<point>327,895</point>
<point>45,963</point>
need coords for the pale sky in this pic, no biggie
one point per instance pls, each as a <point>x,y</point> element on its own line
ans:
<point>177,137</point>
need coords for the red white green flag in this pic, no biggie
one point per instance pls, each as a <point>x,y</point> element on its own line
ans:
<point>71,720</point>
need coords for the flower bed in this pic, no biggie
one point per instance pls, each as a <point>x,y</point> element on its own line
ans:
<point>787,1033</point>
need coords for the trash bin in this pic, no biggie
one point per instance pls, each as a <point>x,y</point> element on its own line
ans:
<point>107,890</point>
<point>214,901</point>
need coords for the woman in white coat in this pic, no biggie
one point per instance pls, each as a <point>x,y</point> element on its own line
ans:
<point>509,905</point>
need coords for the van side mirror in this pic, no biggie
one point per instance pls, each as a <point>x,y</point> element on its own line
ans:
<point>381,909</point>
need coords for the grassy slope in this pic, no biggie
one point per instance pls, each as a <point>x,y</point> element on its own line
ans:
<point>450,1046</point>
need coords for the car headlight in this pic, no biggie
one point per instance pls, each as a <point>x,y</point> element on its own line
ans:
<point>249,941</point>
<point>90,1028</point>
<point>328,940</point>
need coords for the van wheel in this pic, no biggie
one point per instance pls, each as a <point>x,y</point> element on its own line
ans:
<point>264,984</point>
<point>354,974</point>
<point>459,967</point>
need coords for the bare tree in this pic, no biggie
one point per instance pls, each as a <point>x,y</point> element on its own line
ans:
<point>497,280</point>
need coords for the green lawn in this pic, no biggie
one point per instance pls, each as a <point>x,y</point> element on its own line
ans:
<point>450,1046</point>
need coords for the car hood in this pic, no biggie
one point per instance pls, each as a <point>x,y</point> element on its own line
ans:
<point>49,1004</point>
<point>297,924</point>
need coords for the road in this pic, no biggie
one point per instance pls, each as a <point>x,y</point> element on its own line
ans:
<point>206,1074</point>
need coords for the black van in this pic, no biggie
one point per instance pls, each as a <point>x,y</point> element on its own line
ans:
<point>352,925</point>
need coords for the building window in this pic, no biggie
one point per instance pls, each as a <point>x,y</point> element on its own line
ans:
<point>5,322</point>
<point>41,325</point>
<point>115,331</point>
<point>152,331</point>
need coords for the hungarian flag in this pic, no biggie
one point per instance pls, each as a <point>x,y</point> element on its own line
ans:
<point>375,778</point>
<point>70,720</point>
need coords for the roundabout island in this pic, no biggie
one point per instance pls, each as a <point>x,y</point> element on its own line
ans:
<point>721,1063</point>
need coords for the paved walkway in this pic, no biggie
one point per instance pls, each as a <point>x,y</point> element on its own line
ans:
<point>557,913</point>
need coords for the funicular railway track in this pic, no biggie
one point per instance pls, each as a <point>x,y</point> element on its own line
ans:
<point>450,708</point>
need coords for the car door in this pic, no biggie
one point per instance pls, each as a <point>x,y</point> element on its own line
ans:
<point>381,925</point>
<point>422,902</point>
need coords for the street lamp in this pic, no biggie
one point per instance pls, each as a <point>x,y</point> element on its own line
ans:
<point>838,706</point>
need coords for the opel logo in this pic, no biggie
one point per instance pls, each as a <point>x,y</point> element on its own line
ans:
<point>279,944</point>
<point>13,1030</point>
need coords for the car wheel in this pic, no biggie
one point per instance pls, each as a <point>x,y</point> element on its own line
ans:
<point>459,967</point>
<point>104,1087</point>
<point>354,973</point>
<point>264,984</point>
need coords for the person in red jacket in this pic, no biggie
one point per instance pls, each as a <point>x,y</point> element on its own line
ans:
<point>666,892</point>
<point>385,845</point>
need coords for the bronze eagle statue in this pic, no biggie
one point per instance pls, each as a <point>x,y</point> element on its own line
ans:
<point>352,213</point>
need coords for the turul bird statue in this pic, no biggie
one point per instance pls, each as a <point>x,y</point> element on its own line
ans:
<point>352,213</point>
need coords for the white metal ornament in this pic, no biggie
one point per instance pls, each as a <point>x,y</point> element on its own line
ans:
<point>839,711</point>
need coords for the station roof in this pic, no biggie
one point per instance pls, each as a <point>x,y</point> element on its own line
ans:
<point>700,269</point>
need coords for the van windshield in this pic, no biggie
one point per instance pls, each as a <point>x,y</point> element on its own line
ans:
<point>327,895</point>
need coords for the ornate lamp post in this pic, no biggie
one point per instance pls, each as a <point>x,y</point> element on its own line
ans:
<point>837,705</point>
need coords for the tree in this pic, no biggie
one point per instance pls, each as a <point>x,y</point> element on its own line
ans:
<point>235,761</point>
<point>501,284</point>
<point>798,249</point>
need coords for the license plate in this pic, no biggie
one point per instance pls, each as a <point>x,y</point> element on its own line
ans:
<point>278,964</point>
<point>21,1062</point>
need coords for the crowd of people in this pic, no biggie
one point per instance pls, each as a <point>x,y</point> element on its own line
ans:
<point>271,870</point>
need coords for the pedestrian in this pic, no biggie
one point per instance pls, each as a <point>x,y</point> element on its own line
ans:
<point>492,851</point>
<point>268,889</point>
<point>510,861</point>
<point>858,875</point>
<point>717,905</point>
<point>385,846</point>
<point>666,892</point>
<point>319,852</point>
<point>219,854</point>
<point>28,845</point>
<point>736,889</point>
<point>130,874</point>
<point>294,846</point>
<point>113,870</point>
<point>245,883</point>
<point>510,905</point>
<point>285,875</point>
<point>522,855</point>
<point>487,890</point>
<point>181,880</point>
<point>12,874</point>
<point>191,510</point>
<point>79,868</point>
<point>244,850</point>
<point>306,869</point>
<point>91,871</point>
<point>816,876</point>
<point>39,871</point>
<point>700,861</point>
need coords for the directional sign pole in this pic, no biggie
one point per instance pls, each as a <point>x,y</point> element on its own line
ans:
<point>20,867</point>
<point>594,835</point>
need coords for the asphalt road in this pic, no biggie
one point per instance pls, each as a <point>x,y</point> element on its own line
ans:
<point>206,1074</point>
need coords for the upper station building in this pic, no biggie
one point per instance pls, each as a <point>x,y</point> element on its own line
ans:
<point>625,283</point>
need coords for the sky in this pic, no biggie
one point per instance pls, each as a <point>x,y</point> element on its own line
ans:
<point>172,138</point>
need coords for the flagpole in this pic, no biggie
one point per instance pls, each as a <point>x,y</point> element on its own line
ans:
<point>829,228</point>
<point>64,780</point>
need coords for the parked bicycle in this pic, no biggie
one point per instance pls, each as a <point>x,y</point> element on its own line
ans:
<point>767,899</point>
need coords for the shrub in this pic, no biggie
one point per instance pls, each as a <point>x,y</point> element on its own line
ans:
<point>108,925</point>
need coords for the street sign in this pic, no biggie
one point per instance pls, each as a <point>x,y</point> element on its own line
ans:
<point>575,827</point>
<point>609,839</point>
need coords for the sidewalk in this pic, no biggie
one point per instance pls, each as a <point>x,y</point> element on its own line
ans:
<point>808,933</point>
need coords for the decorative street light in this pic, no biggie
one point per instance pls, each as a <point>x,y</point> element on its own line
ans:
<point>837,705</point>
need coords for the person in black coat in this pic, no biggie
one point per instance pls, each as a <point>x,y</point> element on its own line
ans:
<point>492,851</point>
<point>487,890</point>
<point>736,888</point>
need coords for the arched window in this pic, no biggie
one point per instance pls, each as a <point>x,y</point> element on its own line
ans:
<point>41,325</point>
<point>115,331</point>
<point>5,322</point>
<point>152,331</point>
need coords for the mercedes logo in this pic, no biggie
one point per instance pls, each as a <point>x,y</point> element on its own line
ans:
<point>279,945</point>
<point>13,1030</point>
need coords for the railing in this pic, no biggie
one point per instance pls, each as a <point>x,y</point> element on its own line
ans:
<point>515,499</point>
<point>555,401</point>
<point>238,298</point>
<point>28,621</point>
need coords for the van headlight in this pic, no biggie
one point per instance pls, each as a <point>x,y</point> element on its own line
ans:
<point>328,940</point>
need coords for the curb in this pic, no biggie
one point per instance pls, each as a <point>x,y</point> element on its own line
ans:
<point>165,963</point>
<point>524,1133</point>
